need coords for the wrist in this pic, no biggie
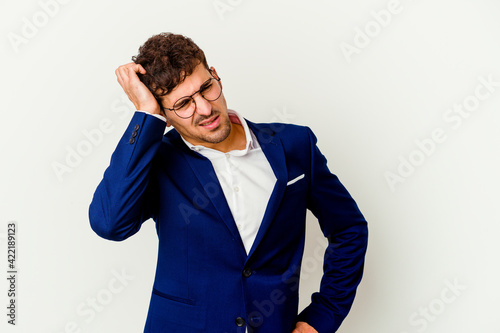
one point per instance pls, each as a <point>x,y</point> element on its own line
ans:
<point>157,115</point>
<point>149,106</point>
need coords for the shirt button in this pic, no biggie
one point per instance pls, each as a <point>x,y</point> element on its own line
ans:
<point>236,189</point>
<point>227,155</point>
<point>239,226</point>
<point>240,322</point>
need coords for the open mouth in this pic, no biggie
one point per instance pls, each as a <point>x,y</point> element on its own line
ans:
<point>211,123</point>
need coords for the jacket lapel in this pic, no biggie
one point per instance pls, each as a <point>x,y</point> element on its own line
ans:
<point>273,150</point>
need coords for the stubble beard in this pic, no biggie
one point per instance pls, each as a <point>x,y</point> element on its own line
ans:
<point>220,133</point>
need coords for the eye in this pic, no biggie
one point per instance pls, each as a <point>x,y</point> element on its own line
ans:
<point>182,103</point>
<point>206,86</point>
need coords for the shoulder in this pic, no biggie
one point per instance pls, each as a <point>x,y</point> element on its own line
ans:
<point>296,140</point>
<point>283,131</point>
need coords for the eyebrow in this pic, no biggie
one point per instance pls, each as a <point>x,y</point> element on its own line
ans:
<point>201,87</point>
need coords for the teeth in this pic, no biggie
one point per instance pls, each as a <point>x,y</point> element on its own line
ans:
<point>208,123</point>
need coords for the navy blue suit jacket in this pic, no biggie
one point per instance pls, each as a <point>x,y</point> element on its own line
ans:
<point>205,281</point>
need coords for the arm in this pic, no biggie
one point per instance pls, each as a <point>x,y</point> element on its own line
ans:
<point>124,198</point>
<point>346,229</point>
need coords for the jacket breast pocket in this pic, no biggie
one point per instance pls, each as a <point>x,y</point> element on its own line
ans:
<point>175,310</point>
<point>296,183</point>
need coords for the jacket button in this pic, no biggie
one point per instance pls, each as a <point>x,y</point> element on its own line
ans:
<point>240,322</point>
<point>134,134</point>
<point>136,127</point>
<point>132,140</point>
<point>247,272</point>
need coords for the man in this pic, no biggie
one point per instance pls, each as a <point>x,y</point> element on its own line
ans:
<point>229,199</point>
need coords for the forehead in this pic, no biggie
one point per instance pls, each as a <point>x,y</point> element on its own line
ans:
<point>190,84</point>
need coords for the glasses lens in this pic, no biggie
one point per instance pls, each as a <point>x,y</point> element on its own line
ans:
<point>211,90</point>
<point>184,107</point>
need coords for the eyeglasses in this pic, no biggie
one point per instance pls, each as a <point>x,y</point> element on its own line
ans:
<point>185,107</point>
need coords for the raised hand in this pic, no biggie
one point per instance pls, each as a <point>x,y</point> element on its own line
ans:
<point>136,91</point>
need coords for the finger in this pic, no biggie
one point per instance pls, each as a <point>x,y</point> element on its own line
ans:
<point>121,78</point>
<point>123,69</point>
<point>141,69</point>
<point>132,80</point>
<point>118,74</point>
<point>136,68</point>
<point>121,73</point>
<point>129,75</point>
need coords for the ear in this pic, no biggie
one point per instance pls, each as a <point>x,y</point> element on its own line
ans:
<point>212,69</point>
<point>168,121</point>
<point>163,112</point>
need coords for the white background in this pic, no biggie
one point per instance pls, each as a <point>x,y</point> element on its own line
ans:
<point>436,226</point>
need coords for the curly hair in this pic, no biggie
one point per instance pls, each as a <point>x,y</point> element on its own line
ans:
<point>168,59</point>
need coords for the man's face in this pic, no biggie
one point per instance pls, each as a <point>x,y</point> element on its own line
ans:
<point>210,123</point>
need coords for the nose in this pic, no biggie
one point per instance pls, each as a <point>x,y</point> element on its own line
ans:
<point>203,107</point>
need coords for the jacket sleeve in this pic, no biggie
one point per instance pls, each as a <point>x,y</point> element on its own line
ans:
<point>124,198</point>
<point>346,229</point>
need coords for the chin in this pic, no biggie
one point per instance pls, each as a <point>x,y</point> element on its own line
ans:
<point>220,134</point>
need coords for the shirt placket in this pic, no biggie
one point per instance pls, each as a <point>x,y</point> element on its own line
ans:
<point>232,167</point>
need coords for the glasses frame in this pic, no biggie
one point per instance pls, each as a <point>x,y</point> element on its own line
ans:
<point>216,78</point>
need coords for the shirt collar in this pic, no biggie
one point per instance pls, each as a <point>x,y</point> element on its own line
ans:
<point>236,118</point>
